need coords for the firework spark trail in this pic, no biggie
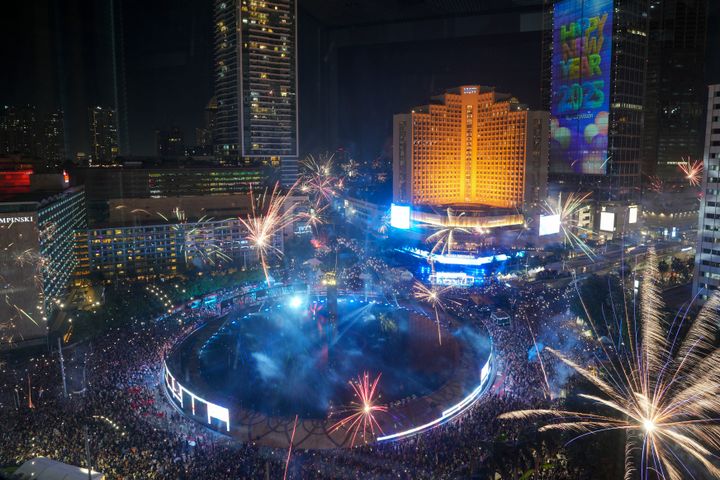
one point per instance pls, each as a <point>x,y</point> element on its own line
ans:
<point>566,211</point>
<point>363,412</point>
<point>292,439</point>
<point>542,364</point>
<point>692,170</point>
<point>435,297</point>
<point>664,392</point>
<point>267,217</point>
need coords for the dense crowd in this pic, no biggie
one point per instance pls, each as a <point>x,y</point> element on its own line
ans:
<point>131,432</point>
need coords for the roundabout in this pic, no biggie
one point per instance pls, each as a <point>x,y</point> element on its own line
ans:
<point>283,368</point>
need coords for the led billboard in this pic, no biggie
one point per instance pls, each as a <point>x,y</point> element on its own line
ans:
<point>633,214</point>
<point>607,221</point>
<point>400,216</point>
<point>549,224</point>
<point>580,104</point>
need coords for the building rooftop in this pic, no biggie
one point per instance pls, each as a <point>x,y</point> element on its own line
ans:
<point>35,199</point>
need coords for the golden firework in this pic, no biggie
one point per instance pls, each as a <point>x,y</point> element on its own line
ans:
<point>663,390</point>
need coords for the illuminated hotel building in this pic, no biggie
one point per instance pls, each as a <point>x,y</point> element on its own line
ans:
<point>256,82</point>
<point>707,257</point>
<point>471,146</point>
<point>37,259</point>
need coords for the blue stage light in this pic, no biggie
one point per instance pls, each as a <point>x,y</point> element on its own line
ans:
<point>296,301</point>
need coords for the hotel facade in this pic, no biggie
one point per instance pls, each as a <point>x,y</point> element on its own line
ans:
<point>37,259</point>
<point>471,146</point>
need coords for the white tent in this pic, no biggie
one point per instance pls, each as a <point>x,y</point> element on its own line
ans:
<point>313,263</point>
<point>42,468</point>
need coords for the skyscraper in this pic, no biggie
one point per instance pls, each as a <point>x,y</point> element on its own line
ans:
<point>103,136</point>
<point>169,143</point>
<point>707,256</point>
<point>256,82</point>
<point>595,88</point>
<point>675,97</point>
<point>471,145</point>
<point>26,131</point>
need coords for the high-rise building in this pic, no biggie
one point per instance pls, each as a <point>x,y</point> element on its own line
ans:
<point>103,136</point>
<point>471,145</point>
<point>256,82</point>
<point>169,143</point>
<point>37,231</point>
<point>675,97</point>
<point>25,131</point>
<point>707,257</point>
<point>594,80</point>
<point>52,142</point>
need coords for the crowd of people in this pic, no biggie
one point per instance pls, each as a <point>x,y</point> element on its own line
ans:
<point>119,416</point>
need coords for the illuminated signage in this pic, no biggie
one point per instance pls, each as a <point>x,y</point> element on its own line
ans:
<point>457,279</point>
<point>580,105</point>
<point>632,214</point>
<point>607,221</point>
<point>458,258</point>
<point>400,216</point>
<point>6,220</point>
<point>549,224</point>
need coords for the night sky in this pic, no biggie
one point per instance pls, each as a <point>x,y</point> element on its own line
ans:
<point>58,54</point>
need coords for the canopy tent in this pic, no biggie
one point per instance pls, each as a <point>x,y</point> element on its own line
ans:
<point>42,468</point>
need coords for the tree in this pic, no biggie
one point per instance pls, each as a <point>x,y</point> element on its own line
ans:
<point>663,268</point>
<point>679,268</point>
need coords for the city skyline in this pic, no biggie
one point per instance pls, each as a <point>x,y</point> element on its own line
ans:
<point>382,239</point>
<point>154,106</point>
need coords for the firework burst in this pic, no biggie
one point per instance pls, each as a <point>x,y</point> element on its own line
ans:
<point>436,298</point>
<point>318,179</point>
<point>384,223</point>
<point>444,236</point>
<point>269,215</point>
<point>361,419</point>
<point>656,184</point>
<point>194,234</point>
<point>663,390</point>
<point>566,212</point>
<point>313,216</point>
<point>692,170</point>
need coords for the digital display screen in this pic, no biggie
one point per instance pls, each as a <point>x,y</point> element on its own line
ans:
<point>400,216</point>
<point>549,224</point>
<point>633,214</point>
<point>580,105</point>
<point>607,221</point>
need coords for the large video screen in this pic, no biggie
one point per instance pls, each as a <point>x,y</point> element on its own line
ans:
<point>580,106</point>
<point>549,224</point>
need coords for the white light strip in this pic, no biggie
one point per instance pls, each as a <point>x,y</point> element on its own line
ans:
<point>213,410</point>
<point>447,414</point>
